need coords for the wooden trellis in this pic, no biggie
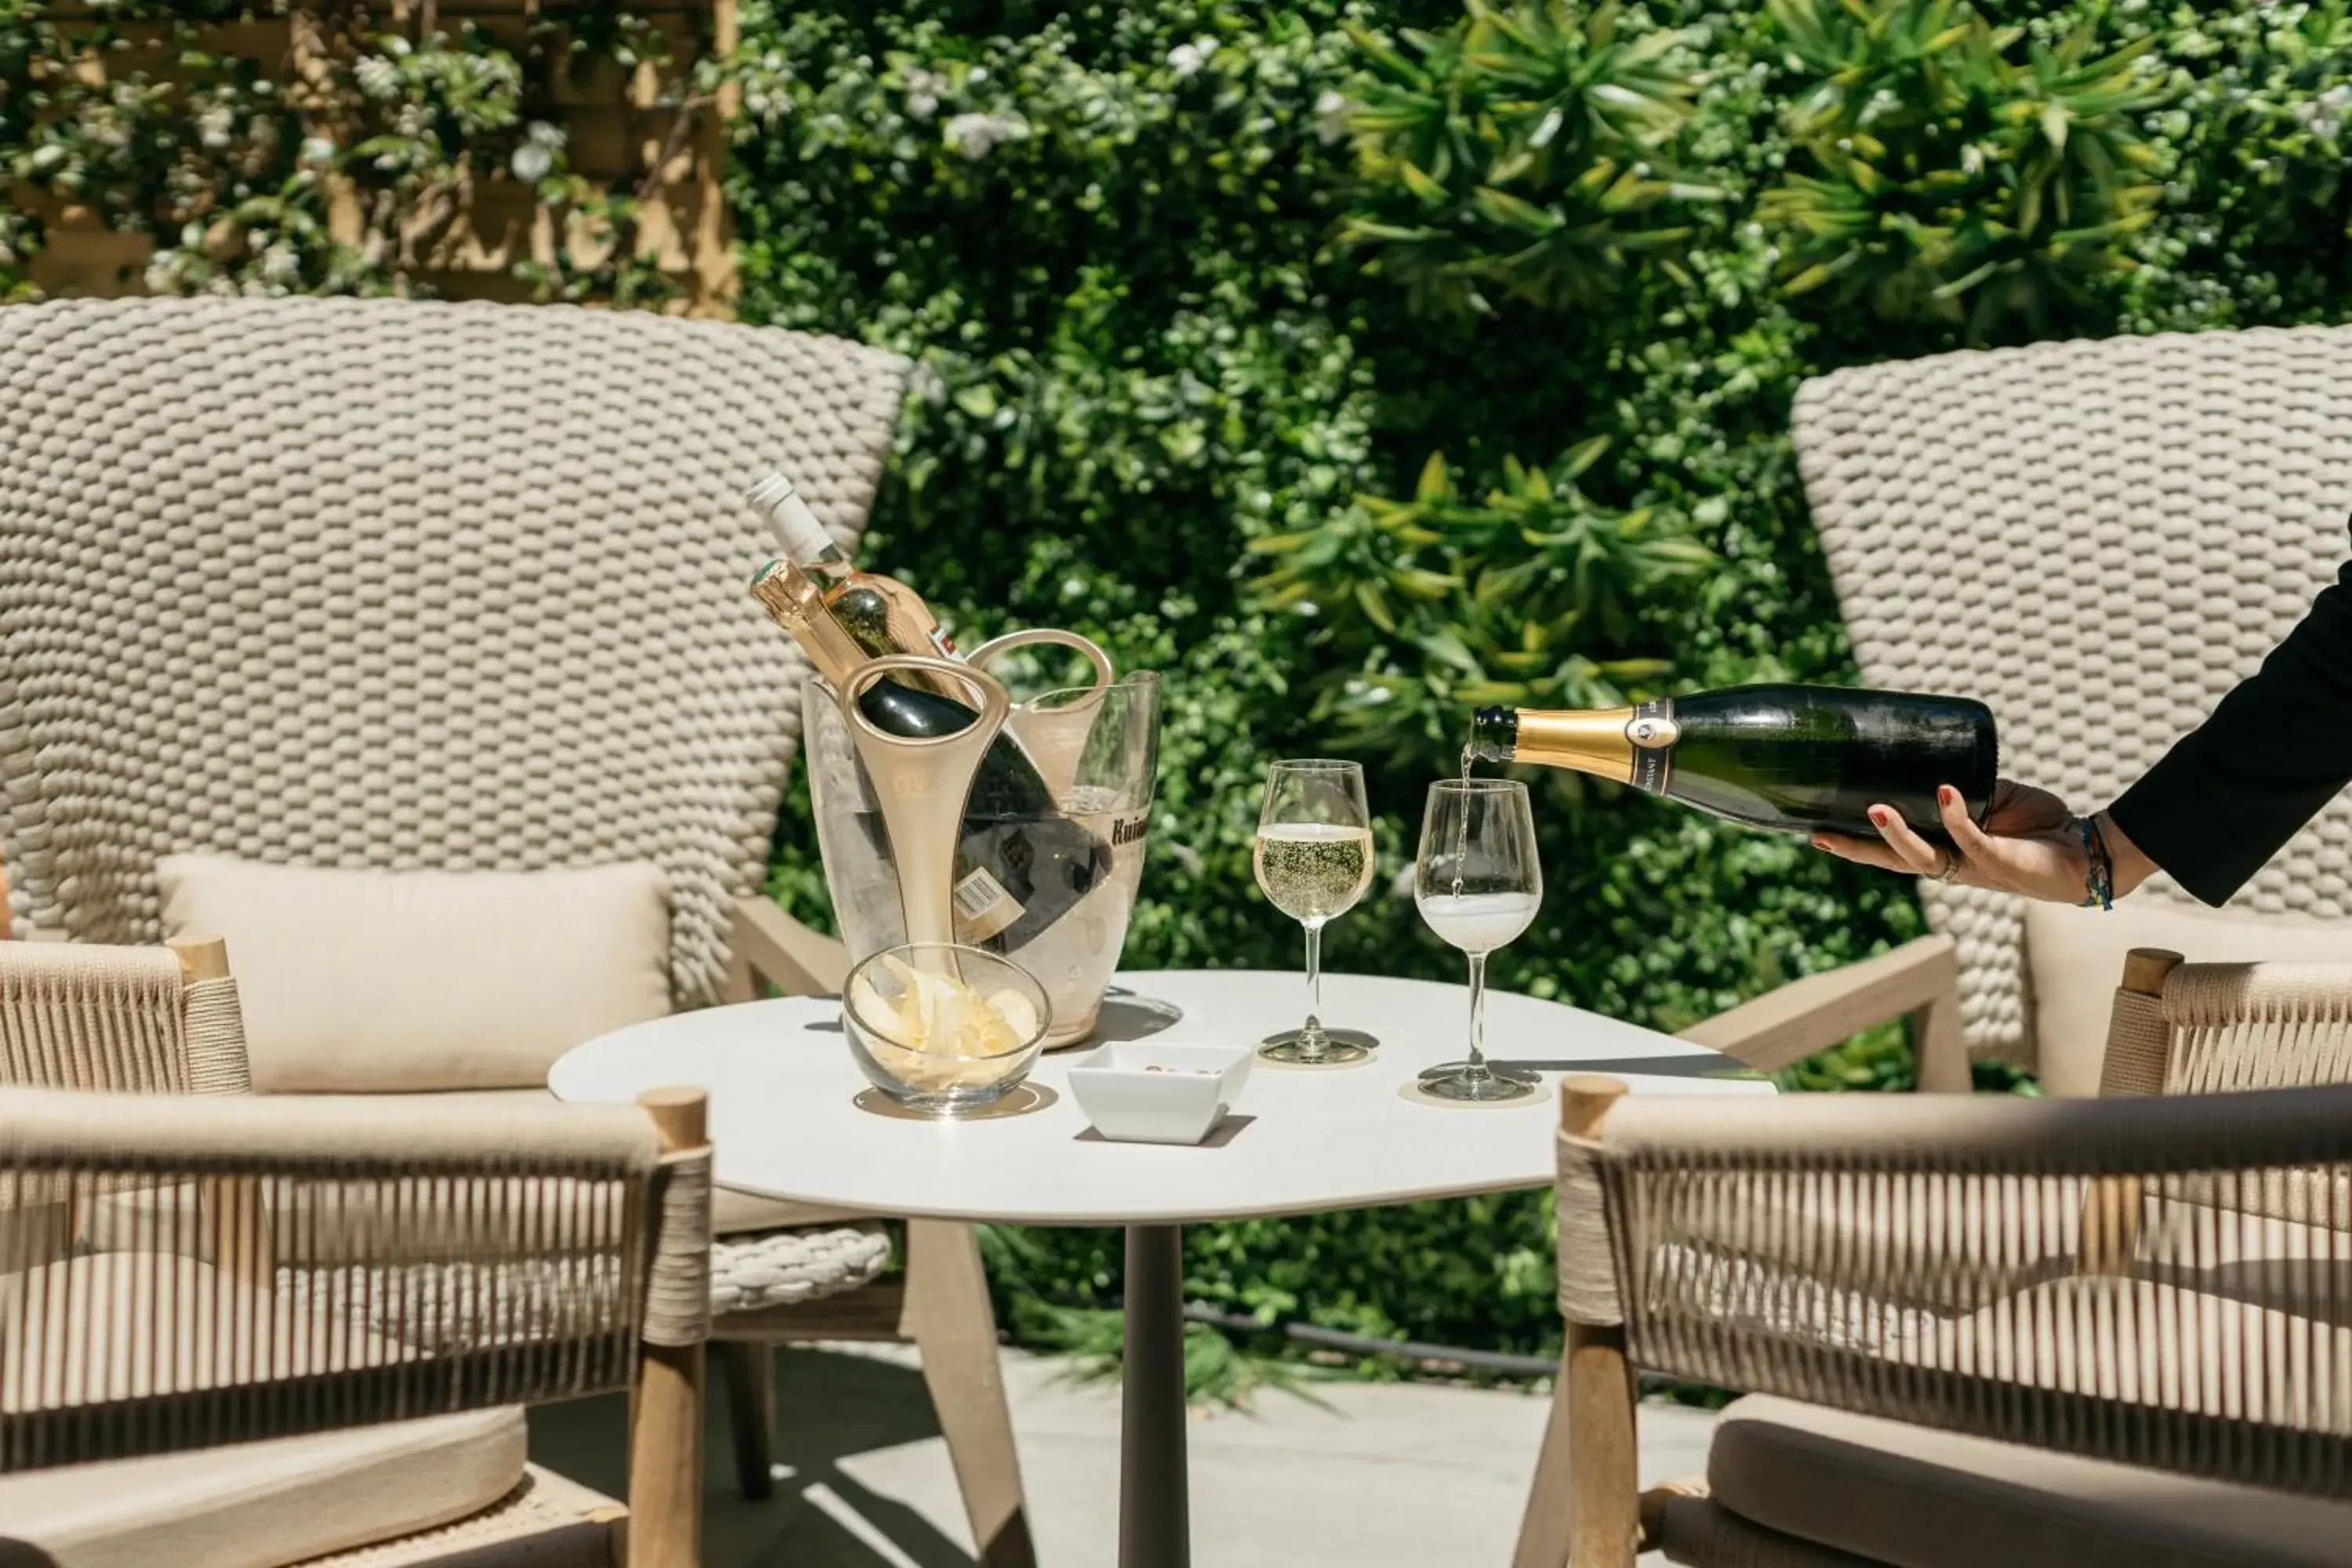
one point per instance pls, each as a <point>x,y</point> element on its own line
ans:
<point>621,135</point>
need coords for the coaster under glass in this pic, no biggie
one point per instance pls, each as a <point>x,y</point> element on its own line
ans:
<point>1344,1047</point>
<point>1476,1083</point>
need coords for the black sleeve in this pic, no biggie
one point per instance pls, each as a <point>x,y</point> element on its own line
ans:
<point>2278,748</point>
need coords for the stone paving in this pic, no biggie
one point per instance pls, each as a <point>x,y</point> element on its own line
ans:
<point>1378,1476</point>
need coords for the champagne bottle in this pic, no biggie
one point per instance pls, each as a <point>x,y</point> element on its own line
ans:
<point>881,615</point>
<point>1020,864</point>
<point>1794,759</point>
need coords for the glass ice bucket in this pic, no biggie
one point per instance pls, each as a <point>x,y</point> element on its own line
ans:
<point>914,853</point>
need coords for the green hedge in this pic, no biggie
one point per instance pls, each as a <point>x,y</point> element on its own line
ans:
<point>1175,292</point>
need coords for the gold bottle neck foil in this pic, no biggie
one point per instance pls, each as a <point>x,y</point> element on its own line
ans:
<point>1594,742</point>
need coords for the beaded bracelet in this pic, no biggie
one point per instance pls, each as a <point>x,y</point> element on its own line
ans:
<point>2099,868</point>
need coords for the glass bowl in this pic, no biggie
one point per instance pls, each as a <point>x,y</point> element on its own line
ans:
<point>941,1028</point>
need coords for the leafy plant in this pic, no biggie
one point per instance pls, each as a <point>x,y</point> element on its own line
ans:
<point>1523,149</point>
<point>1526,597</point>
<point>1954,179</point>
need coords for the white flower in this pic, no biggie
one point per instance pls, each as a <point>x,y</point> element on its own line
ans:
<point>318,150</point>
<point>975,135</point>
<point>215,125</point>
<point>1188,58</point>
<point>47,157</point>
<point>923,91</point>
<point>281,264</point>
<point>377,77</point>
<point>531,162</point>
<point>1330,115</point>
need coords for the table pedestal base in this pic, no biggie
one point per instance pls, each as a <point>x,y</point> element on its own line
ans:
<point>1155,1527</point>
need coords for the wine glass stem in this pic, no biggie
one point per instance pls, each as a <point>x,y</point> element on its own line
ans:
<point>1312,1039</point>
<point>1478,1066</point>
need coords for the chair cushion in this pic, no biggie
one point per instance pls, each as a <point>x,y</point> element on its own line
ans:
<point>1915,1497</point>
<point>367,981</point>
<point>257,1505</point>
<point>2074,956</point>
<point>82,1330</point>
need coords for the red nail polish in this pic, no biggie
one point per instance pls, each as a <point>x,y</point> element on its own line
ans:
<point>1946,794</point>
<point>1878,816</point>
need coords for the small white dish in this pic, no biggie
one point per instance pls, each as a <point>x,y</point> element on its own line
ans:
<point>1145,1091</point>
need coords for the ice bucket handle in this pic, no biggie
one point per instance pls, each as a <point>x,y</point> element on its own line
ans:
<point>922,784</point>
<point>1052,731</point>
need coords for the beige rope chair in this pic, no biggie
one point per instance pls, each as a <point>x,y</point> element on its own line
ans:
<point>1980,1331</point>
<point>2098,539</point>
<point>406,646</point>
<point>158,1349</point>
<point>158,1261</point>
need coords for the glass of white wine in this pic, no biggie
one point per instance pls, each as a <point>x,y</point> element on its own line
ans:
<point>1479,884</point>
<point>1314,860</point>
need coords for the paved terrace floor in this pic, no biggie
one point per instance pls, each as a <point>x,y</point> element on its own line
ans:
<point>1389,1475</point>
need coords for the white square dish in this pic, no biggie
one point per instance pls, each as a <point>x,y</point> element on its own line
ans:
<point>1145,1091</point>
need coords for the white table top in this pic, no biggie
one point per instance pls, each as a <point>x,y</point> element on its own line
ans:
<point>782,1085</point>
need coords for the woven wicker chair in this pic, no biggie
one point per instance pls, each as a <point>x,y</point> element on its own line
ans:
<point>171,1388</point>
<point>2098,539</point>
<point>2026,1332</point>
<point>400,587</point>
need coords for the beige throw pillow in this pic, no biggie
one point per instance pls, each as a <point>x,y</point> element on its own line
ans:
<point>360,982</point>
<point>2075,956</point>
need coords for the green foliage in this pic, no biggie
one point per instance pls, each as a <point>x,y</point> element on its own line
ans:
<point>1953,175</point>
<point>1520,150</point>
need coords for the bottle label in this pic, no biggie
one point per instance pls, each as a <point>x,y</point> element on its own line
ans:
<point>982,907</point>
<point>944,643</point>
<point>1652,729</point>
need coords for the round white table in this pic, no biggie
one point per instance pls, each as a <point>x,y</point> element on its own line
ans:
<point>783,1123</point>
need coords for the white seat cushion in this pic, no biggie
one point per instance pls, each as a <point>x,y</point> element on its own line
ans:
<point>259,1505</point>
<point>1910,1495</point>
<point>2075,957</point>
<point>373,982</point>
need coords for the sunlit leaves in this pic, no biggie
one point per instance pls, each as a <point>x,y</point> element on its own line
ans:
<point>1524,152</point>
<point>1525,594</point>
<point>1959,172</point>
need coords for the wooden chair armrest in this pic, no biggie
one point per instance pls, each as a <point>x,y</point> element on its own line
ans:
<point>769,944</point>
<point>1921,979</point>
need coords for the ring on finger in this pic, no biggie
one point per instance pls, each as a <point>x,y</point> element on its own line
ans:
<point>1953,863</point>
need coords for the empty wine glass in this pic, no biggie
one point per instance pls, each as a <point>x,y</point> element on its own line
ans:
<point>1478,885</point>
<point>1314,860</point>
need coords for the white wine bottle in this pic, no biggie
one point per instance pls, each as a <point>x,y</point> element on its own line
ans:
<point>881,615</point>
<point>1793,759</point>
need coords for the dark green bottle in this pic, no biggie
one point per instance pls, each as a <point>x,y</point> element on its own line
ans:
<point>1793,759</point>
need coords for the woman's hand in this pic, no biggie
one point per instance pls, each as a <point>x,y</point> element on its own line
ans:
<point>2029,845</point>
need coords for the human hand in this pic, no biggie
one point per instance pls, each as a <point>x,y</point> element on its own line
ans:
<point>2031,843</point>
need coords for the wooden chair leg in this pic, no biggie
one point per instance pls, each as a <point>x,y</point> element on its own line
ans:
<point>948,1317</point>
<point>665,1523</point>
<point>750,1372</point>
<point>1543,1528</point>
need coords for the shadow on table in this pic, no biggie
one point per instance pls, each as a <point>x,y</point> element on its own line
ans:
<point>1709,1066</point>
<point>1124,1015</point>
<point>830,1408</point>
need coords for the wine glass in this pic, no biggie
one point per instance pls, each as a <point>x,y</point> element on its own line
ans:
<point>1314,860</point>
<point>1478,885</point>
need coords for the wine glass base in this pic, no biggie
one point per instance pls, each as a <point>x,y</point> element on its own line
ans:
<point>1459,1081</point>
<point>1341,1048</point>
